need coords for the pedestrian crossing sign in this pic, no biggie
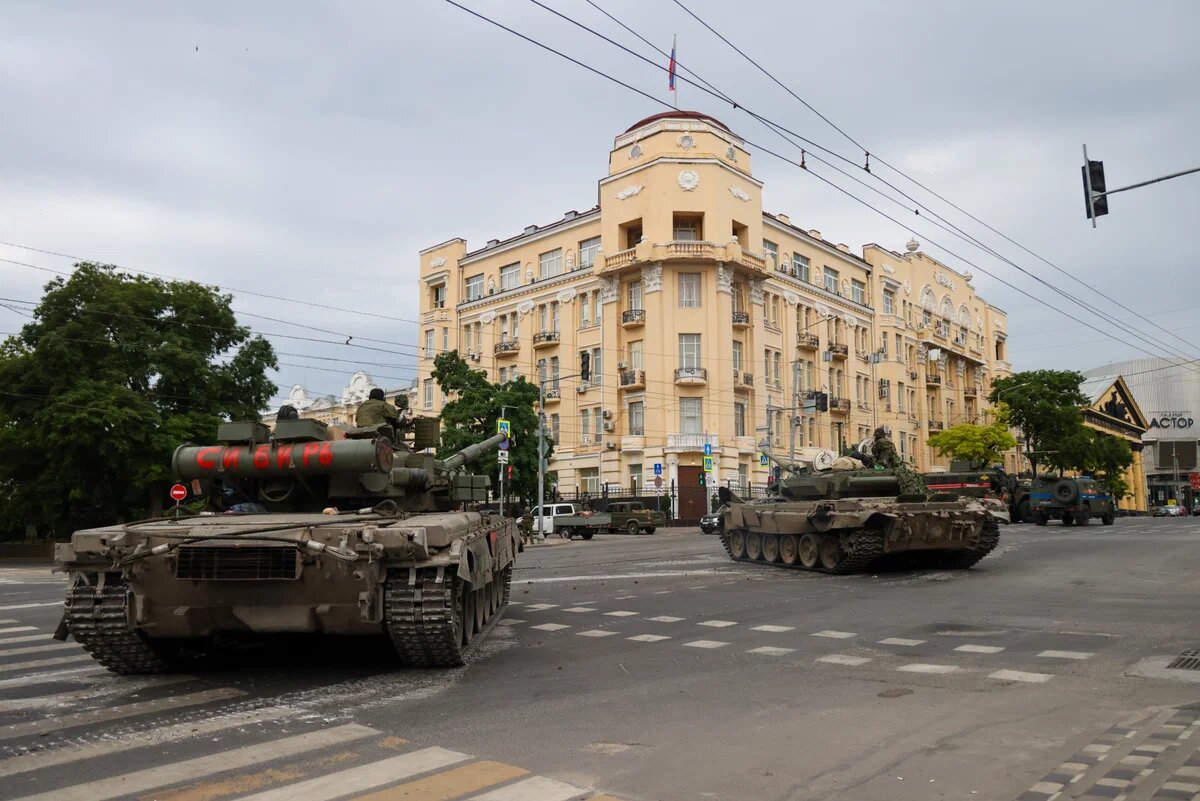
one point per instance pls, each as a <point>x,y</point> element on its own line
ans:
<point>503,427</point>
<point>708,464</point>
<point>762,460</point>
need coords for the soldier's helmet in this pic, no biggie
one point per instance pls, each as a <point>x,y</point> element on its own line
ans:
<point>375,394</point>
<point>880,432</point>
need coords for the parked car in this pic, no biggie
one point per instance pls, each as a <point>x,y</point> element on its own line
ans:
<point>633,517</point>
<point>1167,511</point>
<point>711,523</point>
<point>567,521</point>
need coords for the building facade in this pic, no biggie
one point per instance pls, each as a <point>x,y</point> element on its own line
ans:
<point>336,411</point>
<point>707,322</point>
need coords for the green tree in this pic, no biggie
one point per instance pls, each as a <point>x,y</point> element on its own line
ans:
<point>1044,405</point>
<point>1097,454</point>
<point>112,374</point>
<point>471,413</point>
<point>980,445</point>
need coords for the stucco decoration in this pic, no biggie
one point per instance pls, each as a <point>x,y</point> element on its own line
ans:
<point>947,308</point>
<point>436,262</point>
<point>487,318</point>
<point>968,276</point>
<point>850,320</point>
<point>528,274</point>
<point>608,289</point>
<point>979,323</point>
<point>629,191</point>
<point>791,298</point>
<point>928,299</point>
<point>889,269</point>
<point>724,279</point>
<point>569,259</point>
<point>964,315</point>
<point>907,288</point>
<point>999,323</point>
<point>686,141</point>
<point>731,153</point>
<point>739,193</point>
<point>525,307</point>
<point>823,310</point>
<point>846,287</point>
<point>945,281</point>
<point>491,284</point>
<point>960,368</point>
<point>756,292</point>
<point>566,296</point>
<point>652,278</point>
<point>688,180</point>
<point>635,152</point>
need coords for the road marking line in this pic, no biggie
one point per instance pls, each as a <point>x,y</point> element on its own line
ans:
<point>1046,788</point>
<point>38,649</point>
<point>117,712</point>
<point>1066,654</point>
<point>705,644</point>
<point>917,667</point>
<point>580,609</point>
<point>31,605</point>
<point>551,627</point>
<point>980,649</point>
<point>364,777</point>
<point>535,788</point>
<point>127,685</point>
<point>37,663</point>
<point>619,576</point>
<point>15,629</point>
<point>620,613</point>
<point>844,659</point>
<point>902,641</point>
<point>773,629</point>
<point>648,638</point>
<point>623,597</point>
<point>2,622</point>
<point>66,754</point>
<point>540,607</point>
<point>27,638</point>
<point>77,674</point>
<point>168,772</point>
<point>665,619</point>
<point>718,624</point>
<point>1185,787</point>
<point>1020,675</point>
<point>450,784</point>
<point>597,633</point>
<point>836,635</point>
<point>771,650</point>
<point>511,621</point>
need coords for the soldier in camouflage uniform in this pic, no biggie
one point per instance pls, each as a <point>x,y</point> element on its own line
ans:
<point>883,451</point>
<point>376,411</point>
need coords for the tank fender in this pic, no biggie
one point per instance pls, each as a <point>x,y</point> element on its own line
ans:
<point>883,521</point>
<point>475,562</point>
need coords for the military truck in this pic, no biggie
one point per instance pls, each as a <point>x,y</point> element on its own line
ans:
<point>633,517</point>
<point>1074,501</point>
<point>302,533</point>
<point>980,481</point>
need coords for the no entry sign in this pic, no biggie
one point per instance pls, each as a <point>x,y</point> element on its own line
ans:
<point>178,493</point>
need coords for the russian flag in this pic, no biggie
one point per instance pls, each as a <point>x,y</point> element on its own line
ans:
<point>671,69</point>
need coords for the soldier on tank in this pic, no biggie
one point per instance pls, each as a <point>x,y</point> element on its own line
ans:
<point>883,450</point>
<point>375,411</point>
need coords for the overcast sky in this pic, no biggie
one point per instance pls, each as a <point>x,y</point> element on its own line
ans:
<point>309,150</point>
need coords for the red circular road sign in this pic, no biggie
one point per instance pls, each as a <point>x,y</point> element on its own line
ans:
<point>658,481</point>
<point>178,493</point>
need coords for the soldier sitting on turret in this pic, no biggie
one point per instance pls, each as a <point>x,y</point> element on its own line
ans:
<point>883,450</point>
<point>375,411</point>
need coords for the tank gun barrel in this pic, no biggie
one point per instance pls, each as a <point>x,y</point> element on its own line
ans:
<point>471,452</point>
<point>272,460</point>
<point>791,467</point>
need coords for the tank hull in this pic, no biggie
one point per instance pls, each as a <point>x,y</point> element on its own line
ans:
<point>435,584</point>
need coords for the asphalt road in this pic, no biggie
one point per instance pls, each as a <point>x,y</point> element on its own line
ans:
<point>655,668</point>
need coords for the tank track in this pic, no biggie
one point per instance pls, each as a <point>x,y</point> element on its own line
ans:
<point>424,620</point>
<point>989,538</point>
<point>98,619</point>
<point>865,547</point>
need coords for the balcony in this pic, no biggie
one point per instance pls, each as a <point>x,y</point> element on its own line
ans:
<point>633,442</point>
<point>839,350</point>
<point>689,249</point>
<point>507,347</point>
<point>632,318</point>
<point>941,333</point>
<point>753,261</point>
<point>810,341</point>
<point>544,339</point>
<point>839,405</point>
<point>435,316</point>
<point>1002,366</point>
<point>553,395</point>
<point>625,258</point>
<point>937,425</point>
<point>633,379</point>
<point>863,355</point>
<point>690,443</point>
<point>970,392</point>
<point>679,250</point>
<point>691,375</point>
<point>743,380</point>
<point>933,380</point>
<point>741,319</point>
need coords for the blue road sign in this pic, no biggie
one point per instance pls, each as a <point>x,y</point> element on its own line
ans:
<point>708,449</point>
<point>708,464</point>
<point>503,427</point>
<point>658,468</point>
<point>762,459</point>
<point>504,444</point>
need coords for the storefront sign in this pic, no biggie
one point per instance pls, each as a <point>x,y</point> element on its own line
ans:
<point>1171,420</point>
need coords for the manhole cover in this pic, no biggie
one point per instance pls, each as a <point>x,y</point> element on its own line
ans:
<point>1188,660</point>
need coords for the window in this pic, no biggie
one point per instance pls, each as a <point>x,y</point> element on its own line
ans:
<point>686,228</point>
<point>689,350</point>
<point>427,386</point>
<point>597,366</point>
<point>635,355</point>
<point>800,267</point>
<point>743,476</point>
<point>831,280</point>
<point>503,327</point>
<point>858,291</point>
<point>550,263</point>
<point>554,371</point>
<point>445,339</point>
<point>900,391</point>
<point>776,363</point>
<point>543,317</point>
<point>766,366</point>
<point>556,317</point>
<point>585,419</point>
<point>554,427</point>
<point>439,296</point>
<point>475,287</point>
<point>635,477</point>
<point>737,355</point>
<point>889,302</point>
<point>690,416</point>
<point>631,234</point>
<point>429,343</point>
<point>598,423</point>
<point>739,419</point>
<point>589,480</point>
<point>771,253</point>
<point>510,276</point>
<point>588,249</point>
<point>926,318</point>
<point>595,307</point>
<point>637,418</point>
<point>689,290</point>
<point>634,295</point>
<point>585,311</point>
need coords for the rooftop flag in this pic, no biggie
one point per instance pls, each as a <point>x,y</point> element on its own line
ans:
<point>671,68</point>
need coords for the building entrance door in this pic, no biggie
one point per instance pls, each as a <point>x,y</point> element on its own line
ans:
<point>693,498</point>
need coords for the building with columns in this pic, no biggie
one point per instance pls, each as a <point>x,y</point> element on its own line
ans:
<point>707,322</point>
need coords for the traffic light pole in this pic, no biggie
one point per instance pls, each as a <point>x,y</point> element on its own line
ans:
<point>1093,195</point>
<point>503,414</point>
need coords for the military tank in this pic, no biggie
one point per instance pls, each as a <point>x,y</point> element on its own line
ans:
<point>845,521</point>
<point>302,533</point>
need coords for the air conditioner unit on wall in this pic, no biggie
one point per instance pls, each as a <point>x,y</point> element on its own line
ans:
<point>612,446</point>
<point>622,365</point>
<point>474,357</point>
<point>606,414</point>
<point>609,427</point>
<point>582,388</point>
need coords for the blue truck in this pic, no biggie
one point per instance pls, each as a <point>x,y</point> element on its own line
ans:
<point>1074,501</point>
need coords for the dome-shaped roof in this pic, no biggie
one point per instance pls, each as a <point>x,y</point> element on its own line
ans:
<point>678,115</point>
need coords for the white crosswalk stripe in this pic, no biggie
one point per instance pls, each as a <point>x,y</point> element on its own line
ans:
<point>917,667</point>
<point>39,663</point>
<point>4,641</point>
<point>835,635</point>
<point>665,619</point>
<point>717,624</point>
<point>1066,654</point>
<point>366,777</point>
<point>772,629</point>
<point>15,629</point>
<point>535,788</point>
<point>980,649</point>
<point>118,685</point>
<point>771,650</point>
<point>902,641</point>
<point>39,649</point>
<point>844,659</point>
<point>550,627</point>
<point>116,713</point>
<point>33,605</point>
<point>70,674</point>
<point>648,638</point>
<point>710,644</point>
<point>597,633</point>
<point>1020,675</point>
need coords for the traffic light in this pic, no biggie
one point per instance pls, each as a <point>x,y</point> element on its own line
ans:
<point>702,479</point>
<point>585,366</point>
<point>509,473</point>
<point>822,399</point>
<point>1093,171</point>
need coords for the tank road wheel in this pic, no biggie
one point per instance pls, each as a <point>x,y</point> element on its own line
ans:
<point>770,547</point>
<point>753,545</point>
<point>810,551</point>
<point>466,605</point>
<point>830,552</point>
<point>737,543</point>
<point>435,623</point>
<point>483,608</point>
<point>789,549</point>
<point>632,527</point>
<point>99,621</point>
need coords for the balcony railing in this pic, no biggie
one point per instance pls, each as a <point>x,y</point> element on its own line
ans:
<point>741,319</point>
<point>633,317</point>
<point>633,379</point>
<point>808,341</point>
<point>937,425</point>
<point>507,346</point>
<point>545,338</point>
<point>935,380</point>
<point>678,442</point>
<point>1002,366</point>
<point>753,261</point>
<point>435,316</point>
<point>553,395</point>
<point>742,380</point>
<point>839,350</point>
<point>839,404</point>
<point>691,375</point>
<point>939,332</point>
<point>625,258</point>
<point>689,249</point>
<point>633,442</point>
<point>970,392</point>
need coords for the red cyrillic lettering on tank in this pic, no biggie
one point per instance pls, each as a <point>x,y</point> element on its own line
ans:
<point>262,457</point>
<point>283,456</point>
<point>229,458</point>
<point>206,458</point>
<point>326,457</point>
<point>310,450</point>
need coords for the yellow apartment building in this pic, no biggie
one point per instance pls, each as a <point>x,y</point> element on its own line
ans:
<point>707,322</point>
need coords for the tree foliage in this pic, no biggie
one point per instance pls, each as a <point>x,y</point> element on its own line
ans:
<point>111,374</point>
<point>1044,405</point>
<point>982,445</point>
<point>1097,454</point>
<point>471,413</point>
